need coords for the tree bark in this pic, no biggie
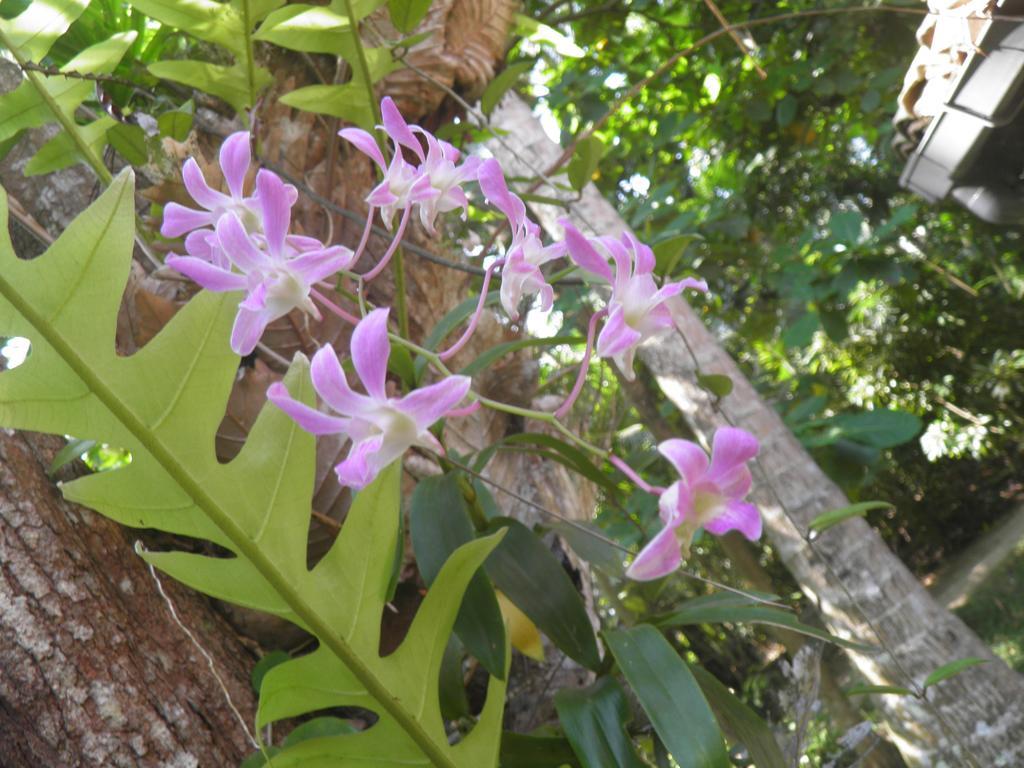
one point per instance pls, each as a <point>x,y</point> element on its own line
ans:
<point>93,669</point>
<point>861,587</point>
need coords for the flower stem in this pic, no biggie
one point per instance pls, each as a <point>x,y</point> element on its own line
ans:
<point>448,353</point>
<point>368,276</point>
<point>581,377</point>
<point>333,308</point>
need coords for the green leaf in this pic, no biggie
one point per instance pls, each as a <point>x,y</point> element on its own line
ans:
<point>130,141</point>
<point>499,86</point>
<point>867,690</point>
<point>175,124</point>
<point>717,384</point>
<point>407,14</point>
<point>590,543</point>
<point>73,450</point>
<point>348,101</point>
<point>567,455</point>
<point>727,607</point>
<point>826,520</point>
<point>543,34</point>
<point>846,226</point>
<point>308,28</point>
<point>881,428</point>
<point>521,563</point>
<point>584,161</point>
<point>947,671</point>
<point>439,524</point>
<point>318,728</point>
<point>668,253</point>
<point>34,31</point>
<point>785,110</point>
<point>742,724</point>
<point>520,751</point>
<point>228,83</point>
<point>498,351</point>
<point>264,665</point>
<point>800,333</point>
<point>24,107</point>
<point>669,695</point>
<point>164,405</point>
<point>594,719</point>
<point>451,688</point>
<point>60,151</point>
<point>215,22</point>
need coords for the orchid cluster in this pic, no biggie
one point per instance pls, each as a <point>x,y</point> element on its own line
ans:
<point>239,242</point>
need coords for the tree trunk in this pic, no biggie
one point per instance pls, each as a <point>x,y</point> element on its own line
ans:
<point>95,672</point>
<point>860,586</point>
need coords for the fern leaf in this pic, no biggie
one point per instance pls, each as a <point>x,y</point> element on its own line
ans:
<point>229,25</point>
<point>34,31</point>
<point>164,404</point>
<point>33,102</point>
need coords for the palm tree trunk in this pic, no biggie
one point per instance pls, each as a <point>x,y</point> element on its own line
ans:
<point>862,589</point>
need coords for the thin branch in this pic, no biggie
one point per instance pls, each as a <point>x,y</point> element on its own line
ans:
<point>740,42</point>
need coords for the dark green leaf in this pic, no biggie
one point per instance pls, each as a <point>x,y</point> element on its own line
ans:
<point>785,110</point>
<point>725,607</point>
<point>565,454</point>
<point>530,576</point>
<point>591,544</point>
<point>594,720</point>
<point>740,722</point>
<point>947,671</point>
<point>584,161</point>
<point>498,351</point>
<point>717,384</point>
<point>266,664</point>
<point>407,14</point>
<point>400,363</point>
<point>832,517</point>
<point>499,85</point>
<point>846,226</point>
<point>670,696</point>
<point>130,142</point>
<point>318,728</point>
<point>455,317</point>
<point>259,759</point>
<point>520,751</point>
<point>880,428</point>
<point>439,524</point>
<point>800,333</point>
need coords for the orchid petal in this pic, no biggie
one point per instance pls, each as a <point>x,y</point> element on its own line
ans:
<point>365,143</point>
<point>178,220</point>
<point>238,245</point>
<point>659,558</point>
<point>694,283</point>
<point>616,336</point>
<point>736,484</point>
<point>396,127</point>
<point>309,419</point>
<point>495,189</point>
<point>256,300</point>
<point>330,383</point>
<point>689,459</point>
<point>644,257</point>
<point>277,215</point>
<point>731,449</point>
<point>248,329</point>
<point>428,404</point>
<point>314,266</point>
<point>200,191</point>
<point>370,352</point>
<point>207,275</point>
<point>583,253</point>
<point>235,158</point>
<point>739,516</point>
<point>359,468</point>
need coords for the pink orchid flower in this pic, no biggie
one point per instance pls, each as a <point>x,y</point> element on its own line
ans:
<point>708,496</point>
<point>521,273</point>
<point>637,309</point>
<point>434,184</point>
<point>235,159</point>
<point>277,270</point>
<point>381,428</point>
